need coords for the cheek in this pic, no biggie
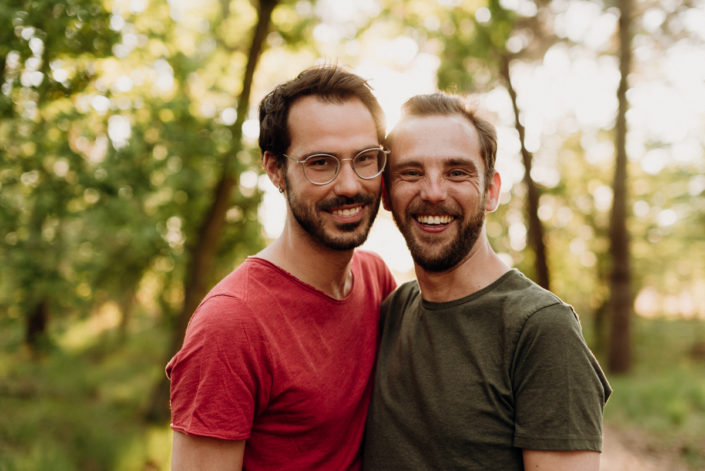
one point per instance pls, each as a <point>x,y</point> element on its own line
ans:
<point>399,198</point>
<point>372,188</point>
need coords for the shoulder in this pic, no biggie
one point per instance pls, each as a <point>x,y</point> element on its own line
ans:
<point>365,259</point>
<point>252,273</point>
<point>226,328</point>
<point>219,311</point>
<point>371,269</point>
<point>517,288</point>
<point>402,296</point>
<point>406,290</point>
<point>542,322</point>
<point>525,299</point>
<point>230,307</point>
<point>523,310</point>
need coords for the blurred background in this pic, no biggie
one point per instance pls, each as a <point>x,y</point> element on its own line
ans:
<point>130,182</point>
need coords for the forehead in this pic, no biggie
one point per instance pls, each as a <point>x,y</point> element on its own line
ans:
<point>436,137</point>
<point>318,125</point>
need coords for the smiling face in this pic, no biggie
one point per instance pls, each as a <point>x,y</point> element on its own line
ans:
<point>437,188</point>
<point>339,214</point>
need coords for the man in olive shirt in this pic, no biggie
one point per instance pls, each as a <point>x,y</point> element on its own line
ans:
<point>479,368</point>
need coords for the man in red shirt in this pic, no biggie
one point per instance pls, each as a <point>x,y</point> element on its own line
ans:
<point>275,370</point>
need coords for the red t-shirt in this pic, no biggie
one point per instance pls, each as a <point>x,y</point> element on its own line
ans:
<point>272,360</point>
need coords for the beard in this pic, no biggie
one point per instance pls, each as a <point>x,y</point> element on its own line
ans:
<point>434,257</point>
<point>344,236</point>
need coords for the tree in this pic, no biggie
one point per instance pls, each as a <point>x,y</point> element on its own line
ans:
<point>620,303</point>
<point>46,50</point>
<point>204,247</point>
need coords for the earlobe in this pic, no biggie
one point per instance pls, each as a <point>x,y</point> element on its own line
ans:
<point>274,170</point>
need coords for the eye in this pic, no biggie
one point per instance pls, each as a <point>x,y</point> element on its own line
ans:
<point>320,162</point>
<point>365,158</point>
<point>409,174</point>
<point>458,174</point>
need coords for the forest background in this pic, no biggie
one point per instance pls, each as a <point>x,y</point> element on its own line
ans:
<point>130,182</point>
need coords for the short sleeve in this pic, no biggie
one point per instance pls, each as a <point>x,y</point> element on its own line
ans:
<point>220,377</point>
<point>559,387</point>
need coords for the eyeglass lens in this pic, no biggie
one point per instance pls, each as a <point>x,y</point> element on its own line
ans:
<point>323,168</point>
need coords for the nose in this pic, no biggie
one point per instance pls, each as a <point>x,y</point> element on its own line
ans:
<point>433,189</point>
<point>347,183</point>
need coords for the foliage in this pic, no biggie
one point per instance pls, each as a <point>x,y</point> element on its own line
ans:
<point>43,68</point>
<point>105,182</point>
<point>664,396</point>
<point>79,408</point>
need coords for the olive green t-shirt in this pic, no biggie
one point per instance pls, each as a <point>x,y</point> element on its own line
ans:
<point>468,384</point>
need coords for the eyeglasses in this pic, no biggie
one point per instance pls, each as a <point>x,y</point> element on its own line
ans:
<point>321,169</point>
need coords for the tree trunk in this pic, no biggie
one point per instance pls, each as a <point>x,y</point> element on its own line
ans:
<point>619,354</point>
<point>535,230</point>
<point>126,304</point>
<point>36,327</point>
<point>39,273</point>
<point>202,251</point>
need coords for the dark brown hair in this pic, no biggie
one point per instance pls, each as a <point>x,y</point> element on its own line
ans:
<point>329,83</point>
<point>446,104</point>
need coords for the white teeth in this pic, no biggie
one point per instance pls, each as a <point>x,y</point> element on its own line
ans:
<point>347,212</point>
<point>434,219</point>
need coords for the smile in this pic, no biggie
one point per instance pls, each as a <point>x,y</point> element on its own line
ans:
<point>347,212</point>
<point>435,220</point>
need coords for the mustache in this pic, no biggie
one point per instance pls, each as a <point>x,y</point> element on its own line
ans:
<point>338,201</point>
<point>434,210</point>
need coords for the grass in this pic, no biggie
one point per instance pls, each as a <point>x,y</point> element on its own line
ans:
<point>79,407</point>
<point>663,397</point>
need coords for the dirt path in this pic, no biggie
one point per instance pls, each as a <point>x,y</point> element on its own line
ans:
<point>627,452</point>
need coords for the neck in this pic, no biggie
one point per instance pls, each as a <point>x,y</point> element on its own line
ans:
<point>325,269</point>
<point>479,269</point>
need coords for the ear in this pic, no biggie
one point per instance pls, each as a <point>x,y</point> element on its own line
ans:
<point>274,171</point>
<point>492,193</point>
<point>385,196</point>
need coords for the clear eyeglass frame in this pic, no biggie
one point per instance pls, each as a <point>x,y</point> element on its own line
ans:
<point>307,163</point>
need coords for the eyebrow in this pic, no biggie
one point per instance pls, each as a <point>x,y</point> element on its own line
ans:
<point>456,161</point>
<point>448,162</point>
<point>337,154</point>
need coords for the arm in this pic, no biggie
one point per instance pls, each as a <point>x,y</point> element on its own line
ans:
<point>194,453</point>
<point>541,460</point>
<point>561,392</point>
